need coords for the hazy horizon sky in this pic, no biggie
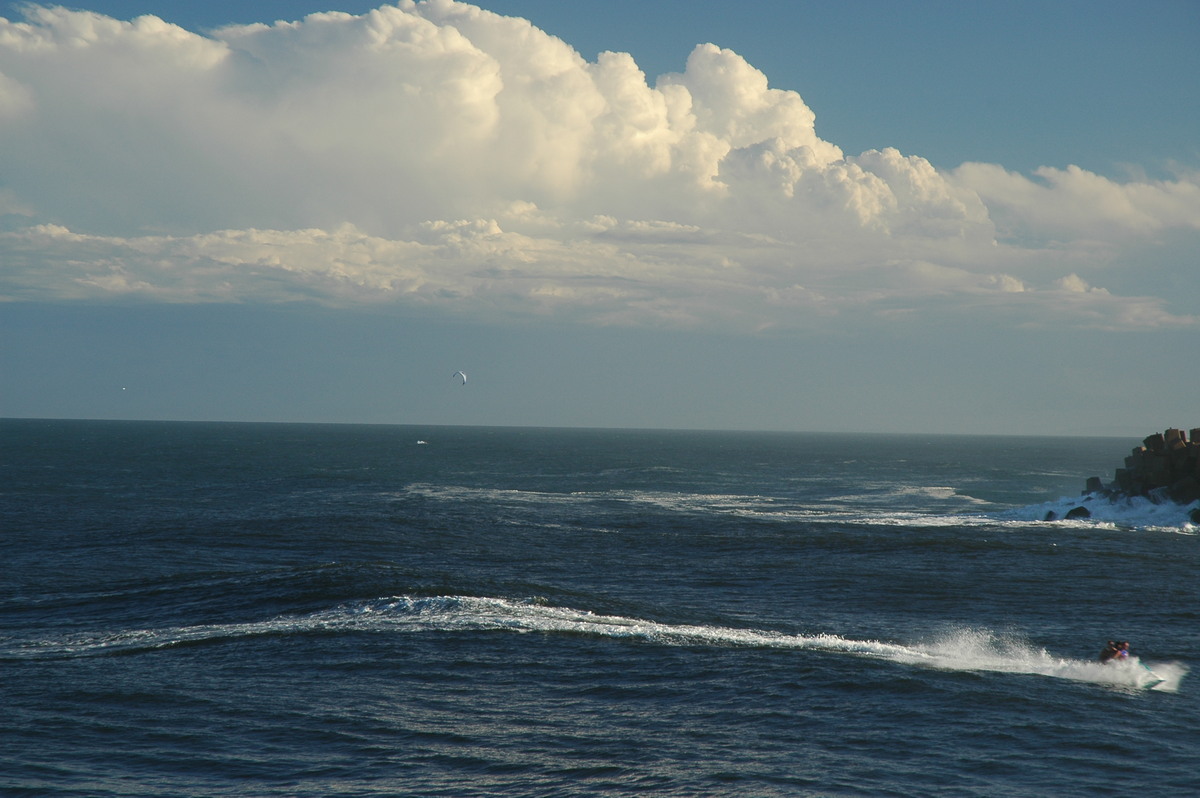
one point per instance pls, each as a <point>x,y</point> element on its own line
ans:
<point>860,216</point>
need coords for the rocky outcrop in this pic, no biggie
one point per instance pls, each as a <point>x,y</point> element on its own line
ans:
<point>1073,514</point>
<point>1166,467</point>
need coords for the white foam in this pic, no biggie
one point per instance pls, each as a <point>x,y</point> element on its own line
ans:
<point>1137,512</point>
<point>888,493</point>
<point>983,650</point>
<point>873,508</point>
<point>882,504</point>
<point>959,650</point>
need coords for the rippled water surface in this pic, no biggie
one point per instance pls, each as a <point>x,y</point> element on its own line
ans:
<point>291,610</point>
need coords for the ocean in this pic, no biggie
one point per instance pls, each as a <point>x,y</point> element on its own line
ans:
<point>211,609</point>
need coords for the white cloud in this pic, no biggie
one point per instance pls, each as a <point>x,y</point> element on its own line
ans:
<point>440,155</point>
<point>1074,203</point>
<point>1073,283</point>
<point>603,272</point>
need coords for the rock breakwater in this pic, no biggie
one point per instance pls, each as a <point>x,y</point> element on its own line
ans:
<point>1166,467</point>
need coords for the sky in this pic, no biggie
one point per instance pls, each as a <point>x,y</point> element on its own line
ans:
<point>864,216</point>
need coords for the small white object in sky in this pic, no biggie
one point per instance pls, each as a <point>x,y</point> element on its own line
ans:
<point>461,374</point>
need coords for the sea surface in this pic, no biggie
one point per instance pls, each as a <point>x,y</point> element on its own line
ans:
<point>195,609</point>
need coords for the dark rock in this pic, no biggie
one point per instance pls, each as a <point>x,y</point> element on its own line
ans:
<point>1078,512</point>
<point>1156,467</point>
<point>1194,515</point>
<point>1165,467</point>
<point>1186,490</point>
<point>1051,516</point>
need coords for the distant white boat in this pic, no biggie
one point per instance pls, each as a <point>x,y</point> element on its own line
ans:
<point>422,443</point>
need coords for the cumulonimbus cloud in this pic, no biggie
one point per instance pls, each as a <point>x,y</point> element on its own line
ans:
<point>441,155</point>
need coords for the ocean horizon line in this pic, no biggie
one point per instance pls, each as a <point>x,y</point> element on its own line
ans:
<point>595,428</point>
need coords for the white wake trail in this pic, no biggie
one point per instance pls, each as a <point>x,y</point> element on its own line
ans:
<point>961,650</point>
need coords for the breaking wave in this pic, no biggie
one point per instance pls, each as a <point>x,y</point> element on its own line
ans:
<point>1136,512</point>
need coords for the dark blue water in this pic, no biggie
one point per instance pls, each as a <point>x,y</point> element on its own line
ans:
<point>293,610</point>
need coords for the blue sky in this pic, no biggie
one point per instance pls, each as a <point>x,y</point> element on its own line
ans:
<point>885,216</point>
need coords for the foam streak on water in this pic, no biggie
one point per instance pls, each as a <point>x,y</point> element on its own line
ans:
<point>961,650</point>
<point>878,507</point>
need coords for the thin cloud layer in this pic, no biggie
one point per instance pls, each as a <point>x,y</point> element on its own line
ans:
<point>441,156</point>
